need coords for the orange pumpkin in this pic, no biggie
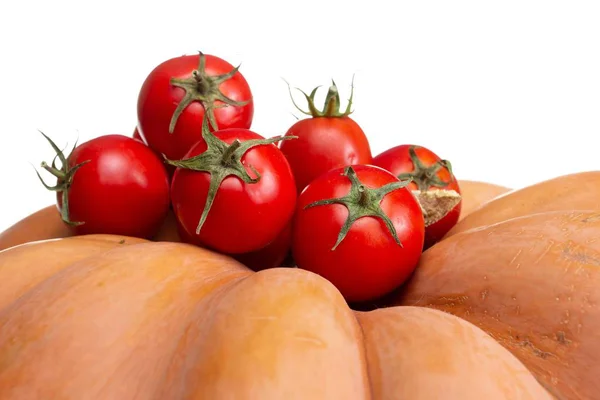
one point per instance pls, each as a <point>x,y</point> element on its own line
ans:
<point>101,317</point>
<point>580,191</point>
<point>533,284</point>
<point>475,194</point>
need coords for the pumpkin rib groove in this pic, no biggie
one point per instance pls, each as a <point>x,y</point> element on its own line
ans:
<point>215,295</point>
<point>125,314</point>
<point>532,283</point>
<point>357,315</point>
<point>564,193</point>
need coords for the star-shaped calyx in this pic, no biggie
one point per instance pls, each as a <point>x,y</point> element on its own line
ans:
<point>331,107</point>
<point>425,177</point>
<point>206,89</point>
<point>363,201</point>
<point>221,160</point>
<point>64,178</point>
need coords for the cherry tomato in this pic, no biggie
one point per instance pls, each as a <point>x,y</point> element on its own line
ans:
<point>329,139</point>
<point>360,228</point>
<point>234,191</point>
<point>179,92</point>
<point>112,184</point>
<point>136,136</point>
<point>272,255</point>
<point>429,172</point>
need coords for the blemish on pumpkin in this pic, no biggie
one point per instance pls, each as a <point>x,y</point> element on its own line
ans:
<point>561,338</point>
<point>580,257</point>
<point>526,343</point>
<point>484,294</point>
<point>122,241</point>
<point>591,218</point>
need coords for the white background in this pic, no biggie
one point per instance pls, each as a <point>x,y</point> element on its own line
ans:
<point>509,91</point>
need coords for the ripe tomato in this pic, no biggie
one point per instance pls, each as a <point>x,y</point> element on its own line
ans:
<point>329,139</point>
<point>136,136</point>
<point>112,184</point>
<point>178,93</point>
<point>272,255</point>
<point>234,192</point>
<point>429,172</point>
<point>360,228</point>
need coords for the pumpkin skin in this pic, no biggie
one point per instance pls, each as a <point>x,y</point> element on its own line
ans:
<point>46,224</point>
<point>580,191</point>
<point>41,225</point>
<point>533,284</point>
<point>475,194</point>
<point>115,319</point>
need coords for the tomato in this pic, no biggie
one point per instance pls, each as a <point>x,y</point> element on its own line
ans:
<point>112,184</point>
<point>360,228</point>
<point>272,255</point>
<point>179,92</point>
<point>329,139</point>
<point>136,136</point>
<point>234,191</point>
<point>428,172</point>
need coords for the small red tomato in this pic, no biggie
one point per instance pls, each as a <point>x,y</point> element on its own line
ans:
<point>112,184</point>
<point>234,192</point>
<point>272,255</point>
<point>136,136</point>
<point>329,139</point>
<point>428,172</point>
<point>177,95</point>
<point>360,228</point>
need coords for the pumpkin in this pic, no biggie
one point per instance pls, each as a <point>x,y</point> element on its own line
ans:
<point>41,225</point>
<point>103,317</point>
<point>475,194</point>
<point>533,284</point>
<point>47,224</point>
<point>579,191</point>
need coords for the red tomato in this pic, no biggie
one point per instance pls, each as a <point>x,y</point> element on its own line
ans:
<point>329,139</point>
<point>112,184</point>
<point>242,211</point>
<point>178,93</point>
<point>429,172</point>
<point>371,204</point>
<point>136,136</point>
<point>271,256</point>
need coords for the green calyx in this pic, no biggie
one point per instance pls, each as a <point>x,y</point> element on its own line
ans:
<point>221,160</point>
<point>362,201</point>
<point>425,177</point>
<point>64,177</point>
<point>205,89</point>
<point>331,107</point>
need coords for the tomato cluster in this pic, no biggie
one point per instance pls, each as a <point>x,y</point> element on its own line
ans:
<point>315,198</point>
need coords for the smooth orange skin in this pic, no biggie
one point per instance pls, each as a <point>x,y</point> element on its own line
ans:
<point>475,194</point>
<point>46,224</point>
<point>533,284</point>
<point>579,191</point>
<point>139,320</point>
<point>41,225</point>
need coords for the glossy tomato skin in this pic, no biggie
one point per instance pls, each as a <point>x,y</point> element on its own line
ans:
<point>158,99</point>
<point>136,135</point>
<point>368,263</point>
<point>272,255</point>
<point>244,217</point>
<point>324,143</point>
<point>397,160</point>
<point>123,189</point>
